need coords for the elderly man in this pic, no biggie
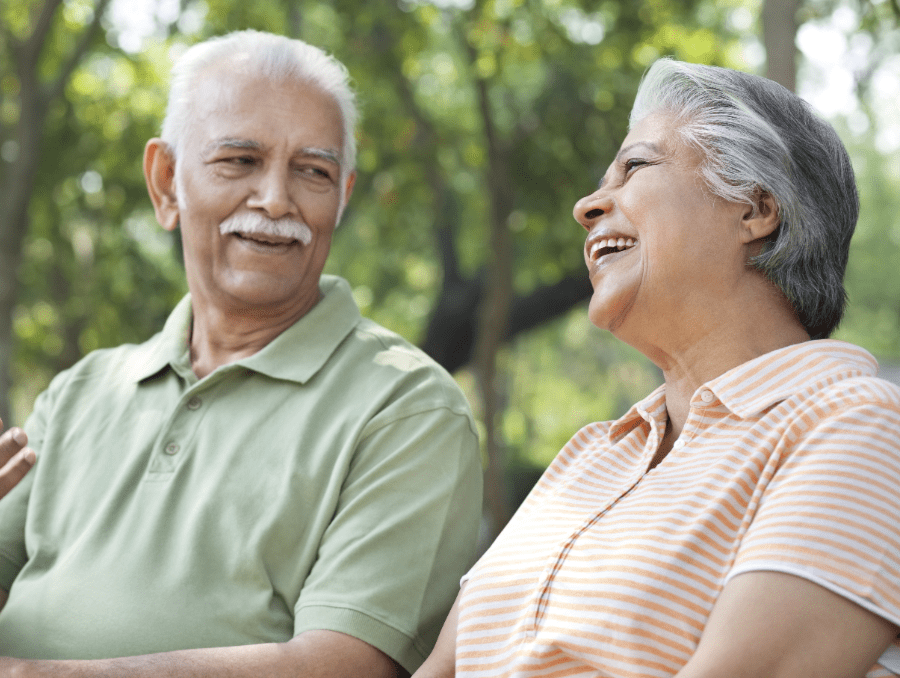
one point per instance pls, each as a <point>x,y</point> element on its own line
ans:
<point>272,485</point>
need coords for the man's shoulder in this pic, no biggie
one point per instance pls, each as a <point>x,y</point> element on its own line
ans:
<point>382,364</point>
<point>387,348</point>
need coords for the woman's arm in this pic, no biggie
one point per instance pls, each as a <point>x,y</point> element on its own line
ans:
<point>775,625</point>
<point>441,663</point>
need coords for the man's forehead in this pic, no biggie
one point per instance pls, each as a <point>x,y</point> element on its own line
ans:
<point>246,110</point>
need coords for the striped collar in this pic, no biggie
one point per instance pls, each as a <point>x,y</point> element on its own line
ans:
<point>750,388</point>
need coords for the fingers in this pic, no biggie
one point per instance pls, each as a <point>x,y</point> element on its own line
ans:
<point>11,443</point>
<point>15,459</point>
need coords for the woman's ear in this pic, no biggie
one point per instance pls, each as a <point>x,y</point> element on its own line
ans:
<point>760,220</point>
<point>159,173</point>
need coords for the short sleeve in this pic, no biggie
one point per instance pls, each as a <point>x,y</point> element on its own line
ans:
<point>831,513</point>
<point>14,506</point>
<point>404,531</point>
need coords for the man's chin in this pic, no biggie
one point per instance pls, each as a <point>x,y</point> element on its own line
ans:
<point>265,293</point>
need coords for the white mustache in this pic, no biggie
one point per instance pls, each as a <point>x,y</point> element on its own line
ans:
<point>253,222</point>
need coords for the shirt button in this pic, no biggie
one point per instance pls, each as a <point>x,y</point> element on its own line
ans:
<point>172,448</point>
<point>194,403</point>
<point>706,395</point>
<point>679,444</point>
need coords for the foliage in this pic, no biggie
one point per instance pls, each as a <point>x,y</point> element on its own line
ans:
<point>96,271</point>
<point>873,279</point>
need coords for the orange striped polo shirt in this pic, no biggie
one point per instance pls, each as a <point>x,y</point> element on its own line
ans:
<point>790,462</point>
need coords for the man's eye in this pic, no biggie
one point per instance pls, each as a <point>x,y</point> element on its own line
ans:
<point>316,172</point>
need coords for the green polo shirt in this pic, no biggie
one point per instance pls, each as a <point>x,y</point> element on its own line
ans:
<point>330,481</point>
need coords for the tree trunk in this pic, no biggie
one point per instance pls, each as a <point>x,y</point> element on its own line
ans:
<point>779,21</point>
<point>15,196</point>
<point>496,301</point>
<point>18,179</point>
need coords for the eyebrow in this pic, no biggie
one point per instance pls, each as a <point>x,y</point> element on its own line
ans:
<point>324,153</point>
<point>250,145</point>
<point>649,144</point>
<point>232,142</point>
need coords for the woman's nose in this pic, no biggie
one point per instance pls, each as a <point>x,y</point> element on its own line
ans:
<point>591,207</point>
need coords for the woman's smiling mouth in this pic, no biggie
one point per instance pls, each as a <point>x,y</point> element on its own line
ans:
<point>606,246</point>
<point>603,243</point>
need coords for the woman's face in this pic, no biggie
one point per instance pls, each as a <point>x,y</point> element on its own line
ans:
<point>661,250</point>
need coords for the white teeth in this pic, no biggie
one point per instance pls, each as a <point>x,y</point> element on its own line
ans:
<point>612,244</point>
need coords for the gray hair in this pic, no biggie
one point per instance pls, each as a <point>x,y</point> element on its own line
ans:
<point>272,56</point>
<point>758,137</point>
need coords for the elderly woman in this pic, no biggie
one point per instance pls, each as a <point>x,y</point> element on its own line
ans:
<point>744,518</point>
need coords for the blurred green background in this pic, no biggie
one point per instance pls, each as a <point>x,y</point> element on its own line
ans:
<point>482,123</point>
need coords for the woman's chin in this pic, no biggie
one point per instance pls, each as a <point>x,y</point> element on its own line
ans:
<point>609,313</point>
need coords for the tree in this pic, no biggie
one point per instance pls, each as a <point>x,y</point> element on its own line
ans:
<point>76,277</point>
<point>36,81</point>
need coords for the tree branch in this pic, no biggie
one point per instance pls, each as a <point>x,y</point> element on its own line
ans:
<point>493,313</point>
<point>450,335</point>
<point>81,48</point>
<point>29,50</point>
<point>446,207</point>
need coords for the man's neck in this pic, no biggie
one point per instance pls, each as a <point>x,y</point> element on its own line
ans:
<point>221,337</point>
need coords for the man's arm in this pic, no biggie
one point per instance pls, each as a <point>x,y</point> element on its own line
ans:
<point>775,625</point>
<point>313,654</point>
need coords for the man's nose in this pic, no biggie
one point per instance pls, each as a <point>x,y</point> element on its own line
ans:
<point>272,194</point>
<point>591,207</point>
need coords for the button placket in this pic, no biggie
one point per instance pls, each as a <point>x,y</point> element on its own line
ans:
<point>175,439</point>
<point>560,555</point>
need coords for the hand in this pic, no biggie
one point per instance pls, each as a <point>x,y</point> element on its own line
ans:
<point>15,458</point>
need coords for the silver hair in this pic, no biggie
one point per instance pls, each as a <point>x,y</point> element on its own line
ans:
<point>272,56</point>
<point>758,137</point>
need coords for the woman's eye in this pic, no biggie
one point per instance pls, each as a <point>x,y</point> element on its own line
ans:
<point>634,162</point>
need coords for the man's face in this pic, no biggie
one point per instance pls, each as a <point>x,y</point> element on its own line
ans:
<point>254,149</point>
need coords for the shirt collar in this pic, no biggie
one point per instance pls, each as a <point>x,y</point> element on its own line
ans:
<point>296,354</point>
<point>303,348</point>
<point>650,409</point>
<point>164,348</point>
<point>749,389</point>
<point>756,385</point>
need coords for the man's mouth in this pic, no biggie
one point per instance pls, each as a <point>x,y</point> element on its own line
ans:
<point>265,239</point>
<point>604,246</point>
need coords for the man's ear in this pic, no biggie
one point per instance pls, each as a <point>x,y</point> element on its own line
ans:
<point>760,220</point>
<point>348,189</point>
<point>159,173</point>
